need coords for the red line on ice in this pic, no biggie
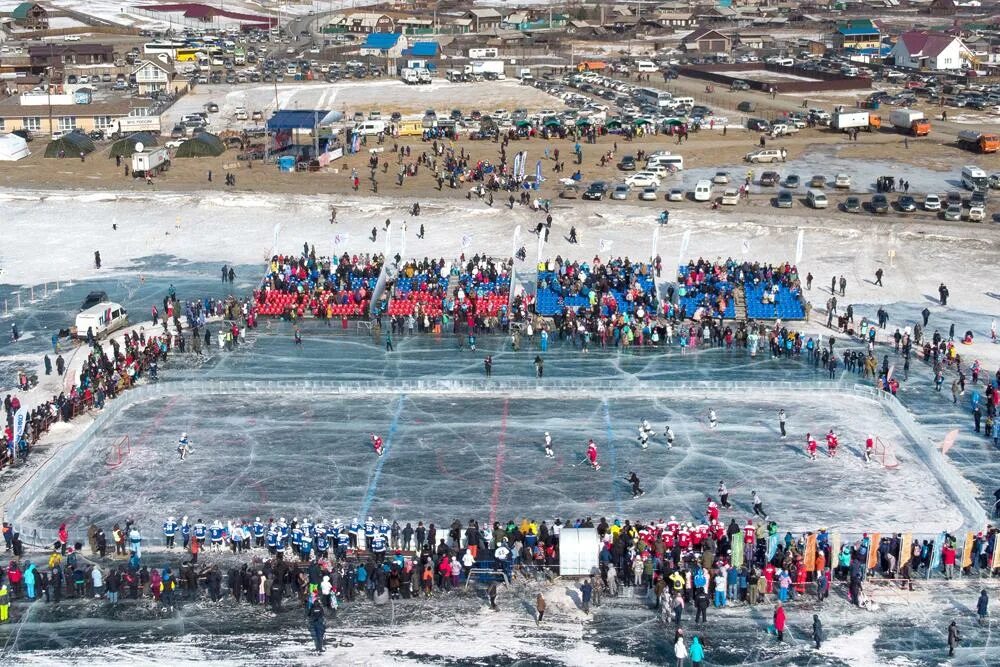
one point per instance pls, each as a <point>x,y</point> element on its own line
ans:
<point>498,468</point>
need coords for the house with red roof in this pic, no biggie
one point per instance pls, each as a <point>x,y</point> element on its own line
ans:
<point>920,49</point>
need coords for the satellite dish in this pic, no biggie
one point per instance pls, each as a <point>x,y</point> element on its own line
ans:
<point>139,147</point>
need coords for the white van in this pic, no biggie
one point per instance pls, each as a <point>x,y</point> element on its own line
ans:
<point>645,66</point>
<point>671,162</point>
<point>817,199</point>
<point>101,319</point>
<point>683,101</point>
<point>703,190</point>
<point>370,127</point>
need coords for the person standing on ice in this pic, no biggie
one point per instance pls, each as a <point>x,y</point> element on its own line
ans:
<point>713,421</point>
<point>781,422</point>
<point>592,454</point>
<point>723,494</point>
<point>811,446</point>
<point>668,433</point>
<point>831,443</point>
<point>548,446</point>
<point>169,530</point>
<point>758,505</point>
<point>633,479</point>
<point>377,444</point>
<point>183,446</point>
<point>644,434</point>
<point>869,448</point>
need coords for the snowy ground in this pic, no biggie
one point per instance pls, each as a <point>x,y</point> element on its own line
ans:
<point>385,95</point>
<point>765,75</point>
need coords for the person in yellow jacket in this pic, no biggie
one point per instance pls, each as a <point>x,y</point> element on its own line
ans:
<point>4,603</point>
<point>55,559</point>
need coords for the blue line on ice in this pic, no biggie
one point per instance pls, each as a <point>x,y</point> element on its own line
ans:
<point>373,482</point>
<point>616,492</point>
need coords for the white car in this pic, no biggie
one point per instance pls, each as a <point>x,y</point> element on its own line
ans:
<point>721,178</point>
<point>71,38</point>
<point>932,203</point>
<point>842,181</point>
<point>730,197</point>
<point>977,214</point>
<point>648,194</point>
<point>175,143</point>
<point>643,179</point>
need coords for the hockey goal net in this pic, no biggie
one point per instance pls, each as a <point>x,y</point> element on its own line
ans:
<point>119,451</point>
<point>885,453</point>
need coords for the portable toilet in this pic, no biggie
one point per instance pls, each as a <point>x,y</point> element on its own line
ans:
<point>286,163</point>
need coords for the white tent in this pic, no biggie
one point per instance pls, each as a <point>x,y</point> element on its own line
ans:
<point>13,147</point>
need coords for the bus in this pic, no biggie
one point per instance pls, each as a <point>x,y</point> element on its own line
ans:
<point>652,96</point>
<point>974,178</point>
<point>167,47</point>
<point>189,55</point>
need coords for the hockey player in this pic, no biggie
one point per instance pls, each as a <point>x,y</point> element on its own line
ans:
<point>645,431</point>
<point>831,443</point>
<point>633,479</point>
<point>215,536</point>
<point>183,446</point>
<point>811,446</point>
<point>377,444</point>
<point>713,510</point>
<point>723,494</point>
<point>869,448</point>
<point>668,433</point>
<point>354,533</point>
<point>592,454</point>
<point>369,533</point>
<point>169,530</point>
<point>758,505</point>
<point>781,422</point>
<point>548,446</point>
<point>258,532</point>
<point>200,531</point>
<point>713,421</point>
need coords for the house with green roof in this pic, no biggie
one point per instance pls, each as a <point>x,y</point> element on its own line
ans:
<point>30,16</point>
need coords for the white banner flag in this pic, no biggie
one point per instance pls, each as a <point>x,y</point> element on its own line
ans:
<point>799,244</point>
<point>605,246</point>
<point>685,241</point>
<point>20,421</point>
<point>516,242</point>
<point>656,242</point>
<point>466,242</point>
<point>340,240</point>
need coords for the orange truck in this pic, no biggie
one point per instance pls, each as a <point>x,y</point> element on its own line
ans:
<point>910,121</point>
<point>979,142</point>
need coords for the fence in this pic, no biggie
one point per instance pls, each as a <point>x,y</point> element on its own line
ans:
<point>40,480</point>
<point>15,300</point>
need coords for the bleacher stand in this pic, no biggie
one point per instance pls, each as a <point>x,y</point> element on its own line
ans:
<point>325,287</point>
<point>772,291</point>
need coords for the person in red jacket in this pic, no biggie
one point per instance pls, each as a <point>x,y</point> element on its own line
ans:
<point>63,537</point>
<point>811,446</point>
<point>769,577</point>
<point>779,622</point>
<point>948,558</point>
<point>832,442</point>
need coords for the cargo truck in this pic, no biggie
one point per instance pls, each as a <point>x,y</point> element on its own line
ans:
<point>910,121</point>
<point>979,142</point>
<point>848,120</point>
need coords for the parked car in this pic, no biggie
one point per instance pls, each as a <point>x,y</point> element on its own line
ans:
<point>792,181</point>
<point>906,204</point>
<point>730,197</point>
<point>596,191</point>
<point>620,192</point>
<point>642,179</point>
<point>784,199</point>
<point>842,181</point>
<point>769,178</point>
<point>817,181</point>
<point>879,204</point>
<point>852,205</point>
<point>955,198</point>
<point>932,203</point>
<point>764,155</point>
<point>627,163</point>
<point>675,194</point>
<point>648,194</point>
<point>953,213</point>
<point>721,178</point>
<point>977,213</point>
<point>212,107</point>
